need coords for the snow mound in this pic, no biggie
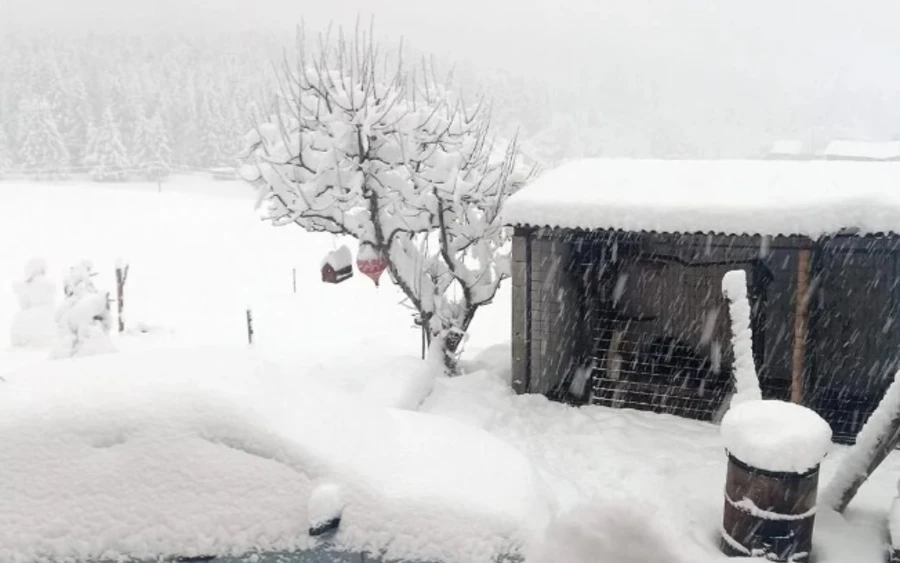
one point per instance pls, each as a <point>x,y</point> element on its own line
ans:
<point>766,197</point>
<point>195,452</point>
<point>776,436</point>
<point>617,531</point>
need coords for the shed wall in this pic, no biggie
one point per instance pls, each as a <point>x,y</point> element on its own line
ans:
<point>544,313</point>
<point>853,346</point>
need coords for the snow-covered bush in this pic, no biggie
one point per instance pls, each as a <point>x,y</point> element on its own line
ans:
<point>84,319</point>
<point>34,324</point>
<point>402,164</point>
<point>618,531</point>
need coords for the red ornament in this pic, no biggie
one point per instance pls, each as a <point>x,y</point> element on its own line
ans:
<point>371,263</point>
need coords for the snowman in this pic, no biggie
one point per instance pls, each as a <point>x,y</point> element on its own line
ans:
<point>34,325</point>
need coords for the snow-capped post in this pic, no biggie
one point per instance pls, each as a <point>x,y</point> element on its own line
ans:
<point>326,504</point>
<point>359,146</point>
<point>249,327</point>
<point>121,278</point>
<point>774,451</point>
<point>878,438</point>
<point>746,380</point>
<point>801,324</point>
<point>34,324</point>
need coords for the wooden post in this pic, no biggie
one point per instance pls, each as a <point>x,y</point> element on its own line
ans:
<point>801,326</point>
<point>295,279</point>
<point>249,327</point>
<point>121,278</point>
<point>424,342</point>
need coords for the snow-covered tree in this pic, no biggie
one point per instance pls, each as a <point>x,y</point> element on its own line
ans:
<point>108,159</point>
<point>34,324</point>
<point>84,319</point>
<point>150,149</point>
<point>5,152</point>
<point>42,151</point>
<point>400,163</point>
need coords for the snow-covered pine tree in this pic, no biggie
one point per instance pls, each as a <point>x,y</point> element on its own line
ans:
<point>150,150</point>
<point>42,152</point>
<point>137,148</point>
<point>400,163</point>
<point>232,127</point>
<point>78,114</point>
<point>108,160</point>
<point>5,152</point>
<point>84,319</point>
<point>70,109</point>
<point>90,144</point>
<point>34,324</point>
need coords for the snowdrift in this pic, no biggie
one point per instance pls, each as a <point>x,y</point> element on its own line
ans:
<point>208,451</point>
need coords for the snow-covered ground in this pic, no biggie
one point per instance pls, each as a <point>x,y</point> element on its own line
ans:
<point>200,258</point>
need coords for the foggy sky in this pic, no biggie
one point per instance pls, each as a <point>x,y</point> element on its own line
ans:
<point>792,56</point>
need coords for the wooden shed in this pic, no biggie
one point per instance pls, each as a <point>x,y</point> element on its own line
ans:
<point>617,268</point>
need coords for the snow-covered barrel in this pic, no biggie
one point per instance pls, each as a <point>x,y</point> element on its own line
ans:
<point>774,451</point>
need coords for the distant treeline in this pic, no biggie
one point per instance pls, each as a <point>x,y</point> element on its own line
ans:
<point>108,104</point>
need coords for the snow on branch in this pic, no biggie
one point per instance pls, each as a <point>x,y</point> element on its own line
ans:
<point>358,146</point>
<point>878,437</point>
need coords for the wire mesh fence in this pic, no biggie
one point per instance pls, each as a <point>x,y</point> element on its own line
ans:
<point>658,332</point>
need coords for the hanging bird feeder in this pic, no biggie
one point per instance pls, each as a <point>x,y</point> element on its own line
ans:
<point>337,266</point>
<point>371,262</point>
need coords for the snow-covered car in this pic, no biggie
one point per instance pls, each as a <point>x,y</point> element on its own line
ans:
<point>218,455</point>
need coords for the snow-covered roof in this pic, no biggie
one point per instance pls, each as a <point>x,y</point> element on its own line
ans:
<point>339,259</point>
<point>788,147</point>
<point>766,197</point>
<point>863,150</point>
<point>214,451</point>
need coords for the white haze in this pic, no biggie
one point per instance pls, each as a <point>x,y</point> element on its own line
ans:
<point>663,77</point>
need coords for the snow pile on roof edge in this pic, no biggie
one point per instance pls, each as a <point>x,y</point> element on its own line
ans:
<point>764,197</point>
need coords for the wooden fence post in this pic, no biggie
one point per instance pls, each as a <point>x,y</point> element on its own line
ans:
<point>249,327</point>
<point>801,326</point>
<point>121,278</point>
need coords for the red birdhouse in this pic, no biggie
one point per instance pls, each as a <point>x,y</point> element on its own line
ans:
<point>337,266</point>
<point>370,262</point>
